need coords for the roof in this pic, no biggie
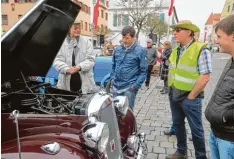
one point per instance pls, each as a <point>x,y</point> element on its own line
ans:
<point>213,17</point>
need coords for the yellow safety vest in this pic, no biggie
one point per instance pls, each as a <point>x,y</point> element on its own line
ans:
<point>183,75</point>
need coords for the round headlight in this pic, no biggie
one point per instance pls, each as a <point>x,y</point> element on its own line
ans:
<point>103,139</point>
<point>132,142</point>
<point>96,136</point>
<point>121,104</point>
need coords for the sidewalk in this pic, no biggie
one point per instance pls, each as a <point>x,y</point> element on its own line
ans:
<point>153,114</point>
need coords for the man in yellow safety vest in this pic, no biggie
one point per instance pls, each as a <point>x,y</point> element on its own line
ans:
<point>189,72</point>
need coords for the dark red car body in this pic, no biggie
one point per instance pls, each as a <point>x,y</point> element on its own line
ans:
<point>37,130</point>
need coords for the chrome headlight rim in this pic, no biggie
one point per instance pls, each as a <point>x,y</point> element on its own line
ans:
<point>96,135</point>
<point>104,138</point>
<point>121,104</point>
<point>132,142</point>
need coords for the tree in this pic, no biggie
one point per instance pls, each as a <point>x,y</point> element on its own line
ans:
<point>138,11</point>
<point>156,26</point>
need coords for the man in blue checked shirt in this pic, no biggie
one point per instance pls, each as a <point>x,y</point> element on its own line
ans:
<point>189,73</point>
<point>129,68</point>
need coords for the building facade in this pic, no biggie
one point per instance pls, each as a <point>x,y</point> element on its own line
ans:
<point>12,10</point>
<point>209,29</point>
<point>119,17</point>
<point>228,8</point>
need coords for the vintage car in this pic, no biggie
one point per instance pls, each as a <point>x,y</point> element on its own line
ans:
<point>57,124</point>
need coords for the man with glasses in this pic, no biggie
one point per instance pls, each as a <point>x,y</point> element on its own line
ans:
<point>189,72</point>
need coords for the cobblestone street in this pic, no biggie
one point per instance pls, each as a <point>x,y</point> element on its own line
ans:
<point>154,116</point>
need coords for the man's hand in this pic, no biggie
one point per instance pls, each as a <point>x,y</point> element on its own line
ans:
<point>199,86</point>
<point>77,68</point>
<point>190,96</point>
<point>73,70</point>
<point>132,87</point>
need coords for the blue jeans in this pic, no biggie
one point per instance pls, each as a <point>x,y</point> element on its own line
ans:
<point>192,110</point>
<point>131,94</point>
<point>220,149</point>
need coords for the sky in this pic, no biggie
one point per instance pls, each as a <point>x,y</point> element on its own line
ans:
<point>198,11</point>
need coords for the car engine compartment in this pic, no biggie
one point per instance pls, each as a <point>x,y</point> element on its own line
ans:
<point>30,96</point>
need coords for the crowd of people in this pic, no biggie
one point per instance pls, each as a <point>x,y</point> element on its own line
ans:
<point>185,71</point>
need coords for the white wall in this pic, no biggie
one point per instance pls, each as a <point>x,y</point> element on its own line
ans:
<point>208,32</point>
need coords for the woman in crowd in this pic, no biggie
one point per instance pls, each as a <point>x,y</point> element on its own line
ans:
<point>164,65</point>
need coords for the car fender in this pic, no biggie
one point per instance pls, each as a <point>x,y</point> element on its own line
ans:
<point>32,149</point>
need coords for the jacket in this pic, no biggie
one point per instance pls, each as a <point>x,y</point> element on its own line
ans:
<point>85,58</point>
<point>151,56</point>
<point>220,110</point>
<point>129,67</point>
<point>165,56</point>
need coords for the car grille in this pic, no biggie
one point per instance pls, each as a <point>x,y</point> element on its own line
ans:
<point>114,148</point>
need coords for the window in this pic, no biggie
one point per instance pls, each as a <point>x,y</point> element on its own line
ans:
<point>228,8</point>
<point>125,19</point>
<point>90,27</point>
<point>233,7</point>
<point>19,16</point>
<point>4,20</point>
<point>102,28</point>
<point>103,1</point>
<point>81,25</point>
<point>81,5</point>
<point>86,9</point>
<point>86,26</point>
<point>106,16</point>
<point>89,10</point>
<point>102,14</point>
<point>4,1</point>
<point>115,20</point>
<point>106,29</point>
<point>119,20</point>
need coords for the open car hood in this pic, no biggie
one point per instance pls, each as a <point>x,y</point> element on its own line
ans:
<point>31,45</point>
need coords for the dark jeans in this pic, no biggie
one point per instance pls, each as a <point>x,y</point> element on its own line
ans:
<point>147,82</point>
<point>166,84</point>
<point>172,129</point>
<point>192,110</point>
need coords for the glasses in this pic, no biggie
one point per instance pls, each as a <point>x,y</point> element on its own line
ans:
<point>178,30</point>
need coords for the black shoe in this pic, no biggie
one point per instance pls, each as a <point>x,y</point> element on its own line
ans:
<point>168,132</point>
